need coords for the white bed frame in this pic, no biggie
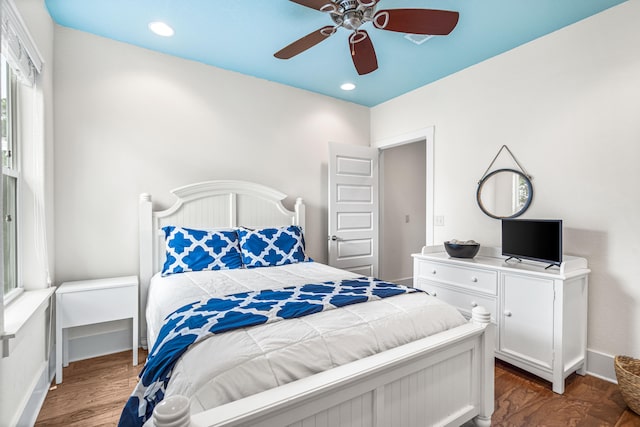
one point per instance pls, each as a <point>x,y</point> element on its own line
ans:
<point>442,380</point>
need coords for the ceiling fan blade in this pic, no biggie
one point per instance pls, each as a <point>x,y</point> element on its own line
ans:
<point>417,21</point>
<point>362,52</point>
<point>313,4</point>
<point>305,43</point>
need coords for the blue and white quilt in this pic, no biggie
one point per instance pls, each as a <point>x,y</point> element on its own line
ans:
<point>197,321</point>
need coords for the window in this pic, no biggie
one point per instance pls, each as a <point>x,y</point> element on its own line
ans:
<point>10,177</point>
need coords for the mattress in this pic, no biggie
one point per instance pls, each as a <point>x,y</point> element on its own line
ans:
<point>238,363</point>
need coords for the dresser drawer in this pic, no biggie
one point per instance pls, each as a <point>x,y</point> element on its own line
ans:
<point>472,278</point>
<point>462,301</point>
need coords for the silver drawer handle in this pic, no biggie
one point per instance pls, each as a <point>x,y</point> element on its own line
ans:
<point>507,313</point>
<point>435,294</point>
<point>474,279</point>
<point>433,272</point>
<point>474,304</point>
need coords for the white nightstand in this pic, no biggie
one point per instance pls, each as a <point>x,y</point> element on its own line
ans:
<point>87,302</point>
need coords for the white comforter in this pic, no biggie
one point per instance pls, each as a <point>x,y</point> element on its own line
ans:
<point>239,363</point>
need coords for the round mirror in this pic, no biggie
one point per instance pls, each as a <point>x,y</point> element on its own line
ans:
<point>504,193</point>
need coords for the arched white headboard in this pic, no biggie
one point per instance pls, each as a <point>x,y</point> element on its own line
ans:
<point>207,205</point>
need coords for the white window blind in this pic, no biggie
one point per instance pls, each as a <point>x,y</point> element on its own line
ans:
<point>17,45</point>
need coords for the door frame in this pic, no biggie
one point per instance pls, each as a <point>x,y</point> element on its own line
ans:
<point>424,134</point>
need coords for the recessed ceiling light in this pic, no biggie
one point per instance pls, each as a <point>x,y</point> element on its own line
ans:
<point>161,29</point>
<point>347,86</point>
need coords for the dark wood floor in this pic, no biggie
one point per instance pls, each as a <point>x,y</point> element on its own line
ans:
<point>94,391</point>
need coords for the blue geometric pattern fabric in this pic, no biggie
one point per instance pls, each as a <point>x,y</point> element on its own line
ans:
<point>196,250</point>
<point>271,246</point>
<point>197,321</point>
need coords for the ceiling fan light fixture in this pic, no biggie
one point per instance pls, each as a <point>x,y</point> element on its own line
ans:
<point>352,19</point>
<point>347,86</point>
<point>162,29</point>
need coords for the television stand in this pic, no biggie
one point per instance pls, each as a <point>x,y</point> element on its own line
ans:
<point>540,314</point>
<point>520,260</point>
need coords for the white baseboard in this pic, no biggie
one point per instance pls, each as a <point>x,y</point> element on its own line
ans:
<point>33,405</point>
<point>79,349</point>
<point>406,281</point>
<point>600,365</point>
<point>86,347</point>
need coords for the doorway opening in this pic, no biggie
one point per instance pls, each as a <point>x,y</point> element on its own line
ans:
<point>403,209</point>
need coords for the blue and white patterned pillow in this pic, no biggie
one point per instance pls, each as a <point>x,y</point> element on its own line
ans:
<point>272,246</point>
<point>196,250</point>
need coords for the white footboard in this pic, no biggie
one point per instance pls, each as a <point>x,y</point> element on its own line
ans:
<point>442,380</point>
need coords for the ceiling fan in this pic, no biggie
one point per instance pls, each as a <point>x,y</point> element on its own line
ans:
<point>352,14</point>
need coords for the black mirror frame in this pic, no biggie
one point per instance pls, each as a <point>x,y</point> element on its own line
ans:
<point>516,214</point>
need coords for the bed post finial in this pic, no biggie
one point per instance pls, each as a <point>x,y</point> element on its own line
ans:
<point>172,412</point>
<point>480,315</point>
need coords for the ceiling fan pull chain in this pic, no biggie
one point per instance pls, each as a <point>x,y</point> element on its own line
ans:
<point>356,37</point>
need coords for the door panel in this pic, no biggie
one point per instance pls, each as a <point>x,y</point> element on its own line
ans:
<point>527,318</point>
<point>353,208</point>
<point>355,220</point>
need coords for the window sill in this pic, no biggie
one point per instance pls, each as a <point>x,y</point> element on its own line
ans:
<point>11,296</point>
<point>19,311</point>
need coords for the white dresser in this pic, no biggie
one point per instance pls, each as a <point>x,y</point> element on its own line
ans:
<point>540,314</point>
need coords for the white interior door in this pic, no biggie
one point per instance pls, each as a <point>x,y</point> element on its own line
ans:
<point>353,208</point>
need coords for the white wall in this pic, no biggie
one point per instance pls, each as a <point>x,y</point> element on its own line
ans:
<point>567,106</point>
<point>130,120</point>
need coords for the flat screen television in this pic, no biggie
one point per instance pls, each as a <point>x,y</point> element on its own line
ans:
<point>533,239</point>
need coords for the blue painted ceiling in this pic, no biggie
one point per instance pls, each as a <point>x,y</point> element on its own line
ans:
<point>243,35</point>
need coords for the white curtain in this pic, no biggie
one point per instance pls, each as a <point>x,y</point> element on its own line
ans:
<point>37,183</point>
<point>18,46</point>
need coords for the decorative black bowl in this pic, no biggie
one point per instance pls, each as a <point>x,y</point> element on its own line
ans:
<point>462,250</point>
